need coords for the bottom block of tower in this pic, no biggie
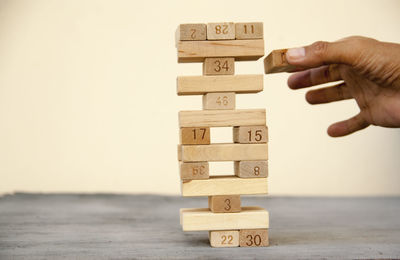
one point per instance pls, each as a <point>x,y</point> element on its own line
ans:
<point>199,219</point>
<point>253,237</point>
<point>224,238</point>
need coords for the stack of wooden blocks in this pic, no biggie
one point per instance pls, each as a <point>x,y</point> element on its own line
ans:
<point>218,46</point>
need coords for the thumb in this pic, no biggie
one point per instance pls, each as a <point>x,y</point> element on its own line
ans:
<point>346,51</point>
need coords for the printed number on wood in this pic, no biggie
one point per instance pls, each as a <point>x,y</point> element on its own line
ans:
<point>220,31</point>
<point>225,238</point>
<point>253,237</point>
<point>219,66</point>
<point>219,101</point>
<point>195,135</point>
<point>194,171</point>
<point>250,134</point>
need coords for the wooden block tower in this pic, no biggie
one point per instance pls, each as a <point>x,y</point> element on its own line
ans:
<point>219,46</point>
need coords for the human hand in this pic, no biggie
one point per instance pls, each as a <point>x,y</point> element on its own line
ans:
<point>369,71</point>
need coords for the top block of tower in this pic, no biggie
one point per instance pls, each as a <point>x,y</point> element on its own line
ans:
<point>241,41</point>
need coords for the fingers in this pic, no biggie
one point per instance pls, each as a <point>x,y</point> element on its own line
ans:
<point>348,126</point>
<point>346,51</point>
<point>329,94</point>
<point>314,76</point>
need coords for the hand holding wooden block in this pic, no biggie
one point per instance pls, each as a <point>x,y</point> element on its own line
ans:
<point>224,238</point>
<point>215,101</point>
<point>219,66</point>
<point>220,31</point>
<point>194,170</point>
<point>224,203</point>
<point>276,62</point>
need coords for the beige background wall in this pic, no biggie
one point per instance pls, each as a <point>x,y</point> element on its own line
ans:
<point>88,103</point>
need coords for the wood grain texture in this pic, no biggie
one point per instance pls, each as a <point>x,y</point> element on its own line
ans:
<point>222,118</point>
<point>194,135</point>
<point>221,31</point>
<point>219,66</point>
<point>276,62</point>
<point>253,237</point>
<point>251,169</point>
<point>222,152</point>
<point>250,134</point>
<point>249,31</point>
<point>198,219</point>
<point>224,185</point>
<point>219,101</point>
<point>224,238</point>
<point>241,50</point>
<point>198,85</point>
<point>192,32</point>
<point>224,203</point>
<point>194,170</point>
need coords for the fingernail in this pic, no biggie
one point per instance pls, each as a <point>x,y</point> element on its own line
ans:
<point>296,53</point>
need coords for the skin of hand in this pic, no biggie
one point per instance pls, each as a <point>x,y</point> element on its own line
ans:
<point>369,71</point>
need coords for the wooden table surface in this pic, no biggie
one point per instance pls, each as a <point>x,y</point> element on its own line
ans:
<point>103,226</point>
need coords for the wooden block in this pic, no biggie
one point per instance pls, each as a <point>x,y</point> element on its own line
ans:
<point>253,237</point>
<point>219,66</point>
<point>192,32</point>
<point>222,118</point>
<point>220,31</point>
<point>224,238</point>
<point>250,134</point>
<point>276,62</point>
<point>223,152</point>
<point>198,85</point>
<point>251,169</point>
<point>196,51</point>
<point>195,135</point>
<point>218,101</point>
<point>224,203</point>
<point>199,219</point>
<point>249,31</point>
<point>194,171</point>
<point>224,185</point>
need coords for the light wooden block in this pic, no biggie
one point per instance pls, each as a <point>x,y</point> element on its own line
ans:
<point>198,85</point>
<point>224,203</point>
<point>195,135</point>
<point>224,185</point>
<point>200,219</point>
<point>192,32</point>
<point>220,31</point>
<point>218,101</point>
<point>276,62</point>
<point>219,66</point>
<point>253,237</point>
<point>249,31</point>
<point>196,51</point>
<point>222,118</point>
<point>250,134</point>
<point>251,169</point>
<point>194,170</point>
<point>222,152</point>
<point>224,238</point>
